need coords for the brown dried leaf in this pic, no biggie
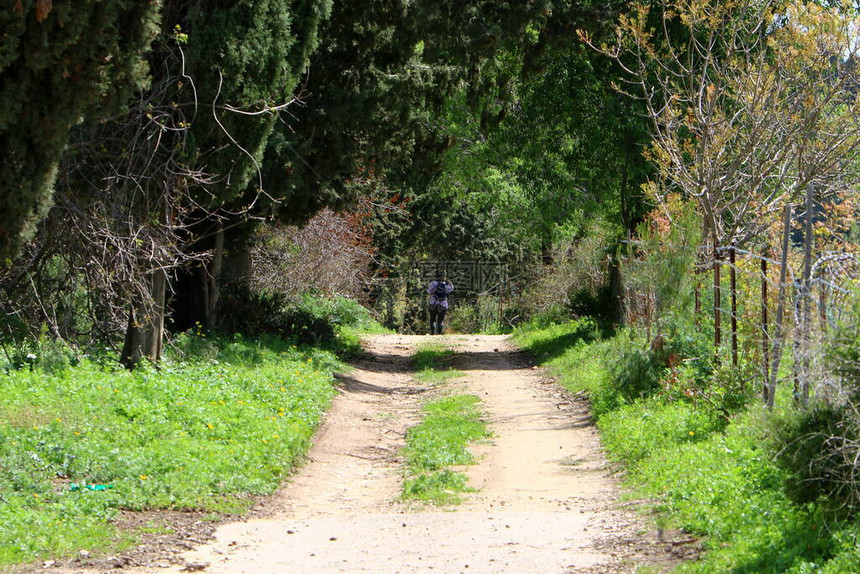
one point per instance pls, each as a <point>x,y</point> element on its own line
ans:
<point>43,8</point>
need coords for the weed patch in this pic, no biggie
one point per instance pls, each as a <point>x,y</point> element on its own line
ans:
<point>77,445</point>
<point>439,442</point>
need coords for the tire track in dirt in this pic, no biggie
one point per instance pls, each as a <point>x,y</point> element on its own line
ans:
<point>546,501</point>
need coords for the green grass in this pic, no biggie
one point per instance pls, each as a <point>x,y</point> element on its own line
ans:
<point>714,478</point>
<point>573,351</point>
<point>438,443</point>
<point>208,433</point>
<point>430,365</point>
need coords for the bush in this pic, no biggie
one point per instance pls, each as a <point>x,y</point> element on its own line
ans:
<point>309,319</point>
<point>819,447</point>
<point>480,316</point>
<point>634,371</point>
<point>582,278</point>
<point>552,314</point>
<point>193,345</point>
<point>47,354</point>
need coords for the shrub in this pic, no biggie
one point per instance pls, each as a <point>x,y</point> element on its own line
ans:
<point>47,354</point>
<point>634,371</point>
<point>580,280</point>
<point>819,447</point>
<point>309,319</point>
<point>478,316</point>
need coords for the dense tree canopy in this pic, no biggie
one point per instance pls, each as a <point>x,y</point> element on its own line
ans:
<point>58,62</point>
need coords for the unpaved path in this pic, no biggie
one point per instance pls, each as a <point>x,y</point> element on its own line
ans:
<point>546,500</point>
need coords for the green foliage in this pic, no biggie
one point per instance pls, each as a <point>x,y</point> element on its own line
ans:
<point>478,316</point>
<point>257,313</point>
<point>634,371</point>
<point>440,487</point>
<point>662,261</point>
<point>817,447</point>
<point>431,356</point>
<point>728,488</point>
<point>557,156</point>
<point>439,442</point>
<point>206,434</point>
<point>251,56</point>
<point>843,348</point>
<point>548,339</point>
<point>574,352</point>
<point>741,479</point>
<point>610,372</point>
<point>377,97</point>
<point>47,354</point>
<point>309,319</point>
<point>725,388</point>
<point>81,58</point>
<point>634,432</point>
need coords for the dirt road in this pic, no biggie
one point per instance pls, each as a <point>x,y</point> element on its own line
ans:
<point>546,499</point>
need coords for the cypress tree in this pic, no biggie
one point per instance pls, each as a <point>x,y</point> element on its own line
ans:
<point>59,62</point>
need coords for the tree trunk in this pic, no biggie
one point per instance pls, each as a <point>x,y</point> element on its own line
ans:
<point>697,293</point>
<point>734,288</point>
<point>144,334</point>
<point>717,314</point>
<point>132,348</point>
<point>780,309</point>
<point>237,262</point>
<point>806,298</point>
<point>155,342</point>
<point>765,341</point>
<point>213,283</point>
<point>822,300</point>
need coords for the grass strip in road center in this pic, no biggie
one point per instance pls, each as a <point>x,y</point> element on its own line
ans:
<point>438,443</point>
<point>430,365</point>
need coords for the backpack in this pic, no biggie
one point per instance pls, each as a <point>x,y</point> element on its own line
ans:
<point>441,291</point>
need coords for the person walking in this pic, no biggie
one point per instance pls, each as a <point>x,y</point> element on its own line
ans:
<point>438,289</point>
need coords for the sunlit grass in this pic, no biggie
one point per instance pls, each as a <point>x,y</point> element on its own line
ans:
<point>713,478</point>
<point>198,434</point>
<point>430,367</point>
<point>438,443</point>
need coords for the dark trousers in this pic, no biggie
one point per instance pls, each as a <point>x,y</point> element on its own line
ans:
<point>437,318</point>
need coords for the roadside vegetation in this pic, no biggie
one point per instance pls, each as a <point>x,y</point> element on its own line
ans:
<point>220,423</point>
<point>721,478</point>
<point>708,211</point>
<point>728,389</point>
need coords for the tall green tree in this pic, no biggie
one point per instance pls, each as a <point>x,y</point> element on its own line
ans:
<point>245,62</point>
<point>564,151</point>
<point>60,61</point>
<point>185,162</point>
<point>370,118</point>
